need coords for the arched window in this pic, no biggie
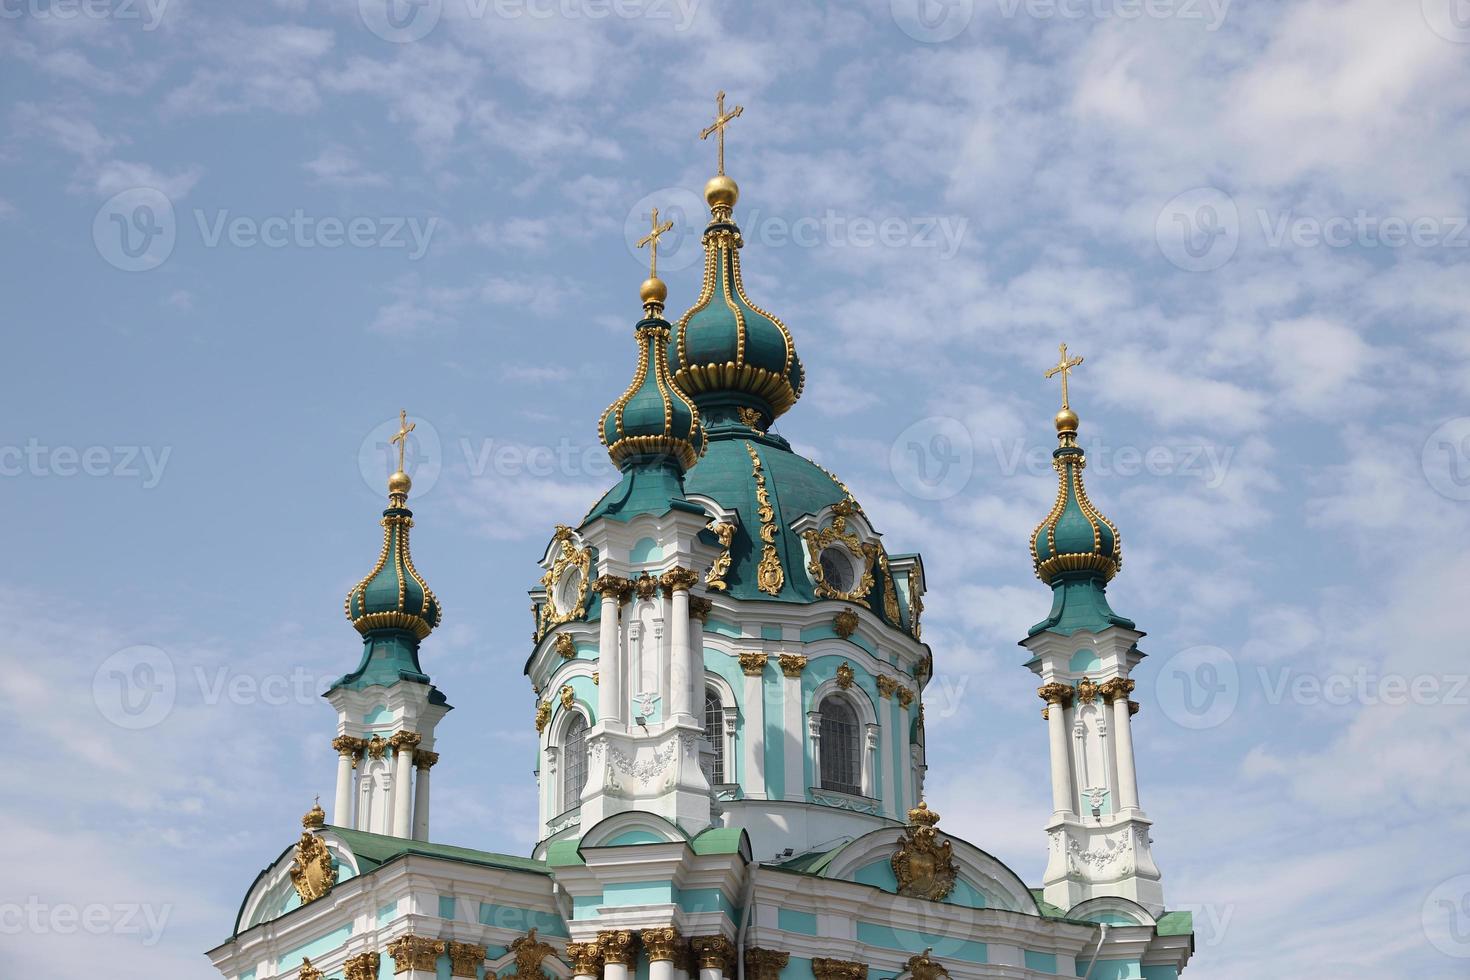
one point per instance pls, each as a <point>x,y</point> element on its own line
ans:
<point>574,762</point>
<point>714,733</point>
<point>841,762</point>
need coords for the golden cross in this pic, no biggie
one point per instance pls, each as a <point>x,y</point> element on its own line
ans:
<point>1064,366</point>
<point>722,118</point>
<point>401,437</point>
<point>651,240</point>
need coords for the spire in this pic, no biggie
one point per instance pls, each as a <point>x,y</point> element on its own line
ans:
<point>653,423</point>
<point>734,358</point>
<point>392,607</point>
<point>1075,549</point>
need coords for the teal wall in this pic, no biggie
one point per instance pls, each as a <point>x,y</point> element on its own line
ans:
<point>1041,962</point>
<point>789,920</point>
<point>911,941</point>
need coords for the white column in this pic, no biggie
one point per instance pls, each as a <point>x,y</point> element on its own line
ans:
<point>1056,696</point>
<point>347,750</point>
<point>755,736</point>
<point>1123,739</point>
<point>893,805</point>
<point>403,782</point>
<point>423,761</point>
<point>609,702</point>
<point>682,659</point>
<point>661,970</point>
<point>795,750</point>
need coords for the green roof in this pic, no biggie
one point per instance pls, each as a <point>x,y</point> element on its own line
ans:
<point>374,850</point>
<point>1176,924</point>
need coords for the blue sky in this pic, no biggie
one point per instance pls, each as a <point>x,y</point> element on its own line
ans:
<point>238,238</point>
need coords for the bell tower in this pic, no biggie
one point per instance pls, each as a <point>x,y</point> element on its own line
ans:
<point>1084,654</point>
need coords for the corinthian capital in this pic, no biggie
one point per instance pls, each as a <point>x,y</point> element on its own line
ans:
<point>678,579</point>
<point>405,741</point>
<point>713,952</point>
<point>617,946</point>
<point>1118,687</point>
<point>586,959</point>
<point>612,588</point>
<point>1055,693</point>
<point>662,943</point>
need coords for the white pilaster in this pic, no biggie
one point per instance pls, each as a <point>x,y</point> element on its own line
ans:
<point>681,659</point>
<point>755,736</point>
<point>795,751</point>
<point>609,676</point>
<point>421,802</point>
<point>342,805</point>
<point>403,784</point>
<point>1123,742</point>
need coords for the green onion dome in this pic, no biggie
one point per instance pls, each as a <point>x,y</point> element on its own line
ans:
<point>653,420</point>
<point>394,596</point>
<point>727,352</point>
<point>1075,536</point>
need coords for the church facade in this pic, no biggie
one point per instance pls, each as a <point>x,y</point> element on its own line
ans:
<point>729,673</point>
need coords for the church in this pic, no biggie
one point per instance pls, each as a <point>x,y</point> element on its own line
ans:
<point>729,671</point>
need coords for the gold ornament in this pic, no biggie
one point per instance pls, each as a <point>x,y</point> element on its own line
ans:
<point>678,579</point>
<point>405,741</point>
<point>753,664</point>
<point>836,533</point>
<point>565,646</point>
<point>543,715</point>
<point>661,943</point>
<point>905,698</point>
<point>617,946</point>
<point>886,685</point>
<point>312,874</point>
<point>715,577</point>
<point>364,967</point>
<point>825,969</point>
<point>464,958</point>
<point>923,864</point>
<point>376,746</point>
<point>1118,687</point>
<point>769,576</point>
<point>645,585</point>
<point>1055,693</point>
<point>713,952</point>
<point>316,817</point>
<point>585,958</point>
<point>529,952</point>
<point>308,972</point>
<point>424,759</point>
<point>845,623</point>
<point>1086,691</point>
<point>568,696</point>
<point>921,967</point>
<point>844,675</point>
<point>765,964</point>
<point>792,664</point>
<point>571,560</point>
<point>415,953</point>
<point>699,607</point>
<point>890,592</point>
<point>751,417</point>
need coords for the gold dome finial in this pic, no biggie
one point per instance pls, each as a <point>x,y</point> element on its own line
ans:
<point>316,817</point>
<point>653,292</point>
<point>1066,419</point>
<point>721,193</point>
<point>399,483</point>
